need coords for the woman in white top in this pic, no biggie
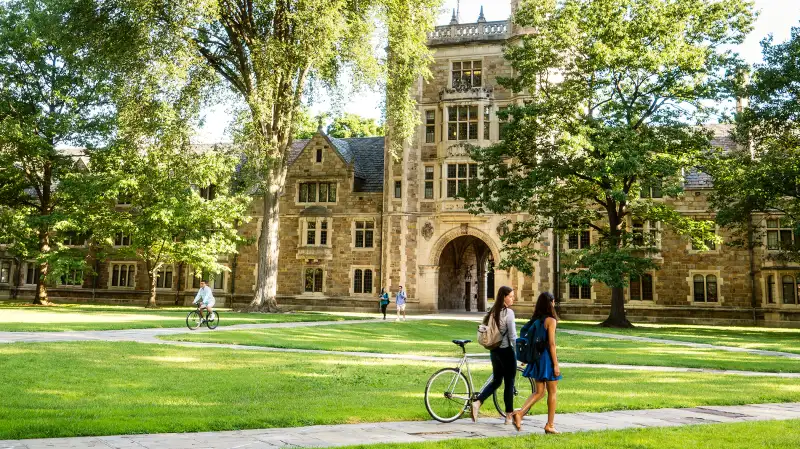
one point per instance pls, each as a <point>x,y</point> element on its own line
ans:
<point>504,360</point>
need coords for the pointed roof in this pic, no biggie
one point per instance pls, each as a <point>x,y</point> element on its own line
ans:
<point>365,154</point>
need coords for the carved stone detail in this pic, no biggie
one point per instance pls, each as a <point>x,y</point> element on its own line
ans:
<point>427,230</point>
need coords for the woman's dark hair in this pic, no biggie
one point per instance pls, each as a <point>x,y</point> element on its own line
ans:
<point>545,307</point>
<point>499,304</point>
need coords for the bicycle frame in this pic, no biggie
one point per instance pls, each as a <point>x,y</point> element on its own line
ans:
<point>464,363</point>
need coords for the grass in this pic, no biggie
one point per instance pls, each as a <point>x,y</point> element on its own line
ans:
<point>746,435</point>
<point>74,317</point>
<point>764,338</point>
<point>98,388</point>
<point>432,337</point>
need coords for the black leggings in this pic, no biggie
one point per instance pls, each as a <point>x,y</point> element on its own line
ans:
<point>504,370</point>
<point>383,309</point>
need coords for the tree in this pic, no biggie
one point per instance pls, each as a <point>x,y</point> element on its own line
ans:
<point>616,87</point>
<point>751,185</point>
<point>54,91</point>
<point>267,52</point>
<point>352,125</point>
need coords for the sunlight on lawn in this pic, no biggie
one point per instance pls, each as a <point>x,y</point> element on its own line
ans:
<point>170,359</point>
<point>41,317</point>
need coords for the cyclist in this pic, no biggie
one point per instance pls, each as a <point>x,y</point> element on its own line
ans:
<point>207,298</point>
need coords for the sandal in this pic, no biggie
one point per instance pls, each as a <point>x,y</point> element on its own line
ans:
<point>518,421</point>
<point>548,429</point>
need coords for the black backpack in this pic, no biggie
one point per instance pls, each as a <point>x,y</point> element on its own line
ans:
<point>532,342</point>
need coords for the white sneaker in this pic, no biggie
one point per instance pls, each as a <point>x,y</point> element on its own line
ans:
<point>397,320</point>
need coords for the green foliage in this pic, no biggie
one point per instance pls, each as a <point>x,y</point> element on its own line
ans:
<point>268,53</point>
<point>56,88</point>
<point>352,125</point>
<point>616,88</point>
<point>305,125</point>
<point>165,217</point>
<point>749,186</point>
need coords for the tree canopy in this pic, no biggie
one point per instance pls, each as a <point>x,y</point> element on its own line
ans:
<point>353,125</point>
<point>268,52</point>
<point>56,89</point>
<point>759,187</point>
<point>616,91</point>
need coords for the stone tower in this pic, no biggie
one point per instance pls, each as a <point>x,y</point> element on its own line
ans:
<point>443,255</point>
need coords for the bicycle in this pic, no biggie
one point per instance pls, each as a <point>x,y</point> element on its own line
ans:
<point>449,393</point>
<point>195,318</point>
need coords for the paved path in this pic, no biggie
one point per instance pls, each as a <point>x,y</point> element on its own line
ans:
<point>419,431</point>
<point>474,358</point>
<point>662,341</point>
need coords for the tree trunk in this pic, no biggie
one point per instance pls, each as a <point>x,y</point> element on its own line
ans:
<point>17,277</point>
<point>44,269</point>
<point>151,274</point>
<point>617,316</point>
<point>268,247</point>
<point>44,233</point>
<point>179,287</point>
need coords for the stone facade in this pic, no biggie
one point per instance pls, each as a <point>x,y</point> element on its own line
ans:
<point>393,221</point>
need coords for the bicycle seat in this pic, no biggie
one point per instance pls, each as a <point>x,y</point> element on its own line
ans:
<point>462,342</point>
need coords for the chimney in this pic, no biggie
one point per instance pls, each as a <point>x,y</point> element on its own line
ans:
<point>743,80</point>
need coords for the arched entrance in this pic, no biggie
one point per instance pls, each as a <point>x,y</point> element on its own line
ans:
<point>464,267</point>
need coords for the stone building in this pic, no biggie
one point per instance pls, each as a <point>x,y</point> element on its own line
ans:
<point>355,219</point>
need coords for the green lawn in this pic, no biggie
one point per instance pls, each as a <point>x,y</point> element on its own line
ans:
<point>73,317</point>
<point>97,388</point>
<point>747,435</point>
<point>770,339</point>
<point>432,337</point>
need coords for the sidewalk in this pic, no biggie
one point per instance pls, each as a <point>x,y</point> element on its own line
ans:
<point>419,431</point>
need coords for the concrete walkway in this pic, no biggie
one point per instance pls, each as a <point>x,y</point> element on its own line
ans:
<point>420,431</point>
<point>150,336</point>
<point>474,358</point>
<point>662,341</point>
<point>143,335</point>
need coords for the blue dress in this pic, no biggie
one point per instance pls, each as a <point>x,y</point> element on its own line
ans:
<point>542,370</point>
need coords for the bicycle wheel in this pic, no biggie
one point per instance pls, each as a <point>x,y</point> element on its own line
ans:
<point>447,395</point>
<point>523,388</point>
<point>193,320</point>
<point>212,320</point>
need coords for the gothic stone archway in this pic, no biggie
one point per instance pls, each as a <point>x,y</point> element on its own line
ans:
<point>462,275</point>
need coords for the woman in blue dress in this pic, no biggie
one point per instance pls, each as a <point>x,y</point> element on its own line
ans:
<point>545,370</point>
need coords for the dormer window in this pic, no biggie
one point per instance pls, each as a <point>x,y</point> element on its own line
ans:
<point>467,74</point>
<point>123,199</point>
<point>208,193</point>
<point>317,192</point>
<point>122,239</point>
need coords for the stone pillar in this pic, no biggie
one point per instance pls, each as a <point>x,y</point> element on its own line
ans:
<point>427,287</point>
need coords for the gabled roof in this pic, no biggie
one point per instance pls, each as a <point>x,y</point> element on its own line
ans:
<point>365,154</point>
<point>694,178</point>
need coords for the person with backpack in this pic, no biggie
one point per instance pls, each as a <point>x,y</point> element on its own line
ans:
<point>498,334</point>
<point>538,341</point>
<point>384,302</point>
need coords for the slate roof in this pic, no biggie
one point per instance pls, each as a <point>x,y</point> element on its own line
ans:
<point>365,153</point>
<point>694,178</point>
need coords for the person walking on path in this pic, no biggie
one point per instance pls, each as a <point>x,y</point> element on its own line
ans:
<point>544,370</point>
<point>384,302</point>
<point>504,361</point>
<point>400,301</point>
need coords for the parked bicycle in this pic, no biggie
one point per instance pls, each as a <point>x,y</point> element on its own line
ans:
<point>449,392</point>
<point>196,319</point>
